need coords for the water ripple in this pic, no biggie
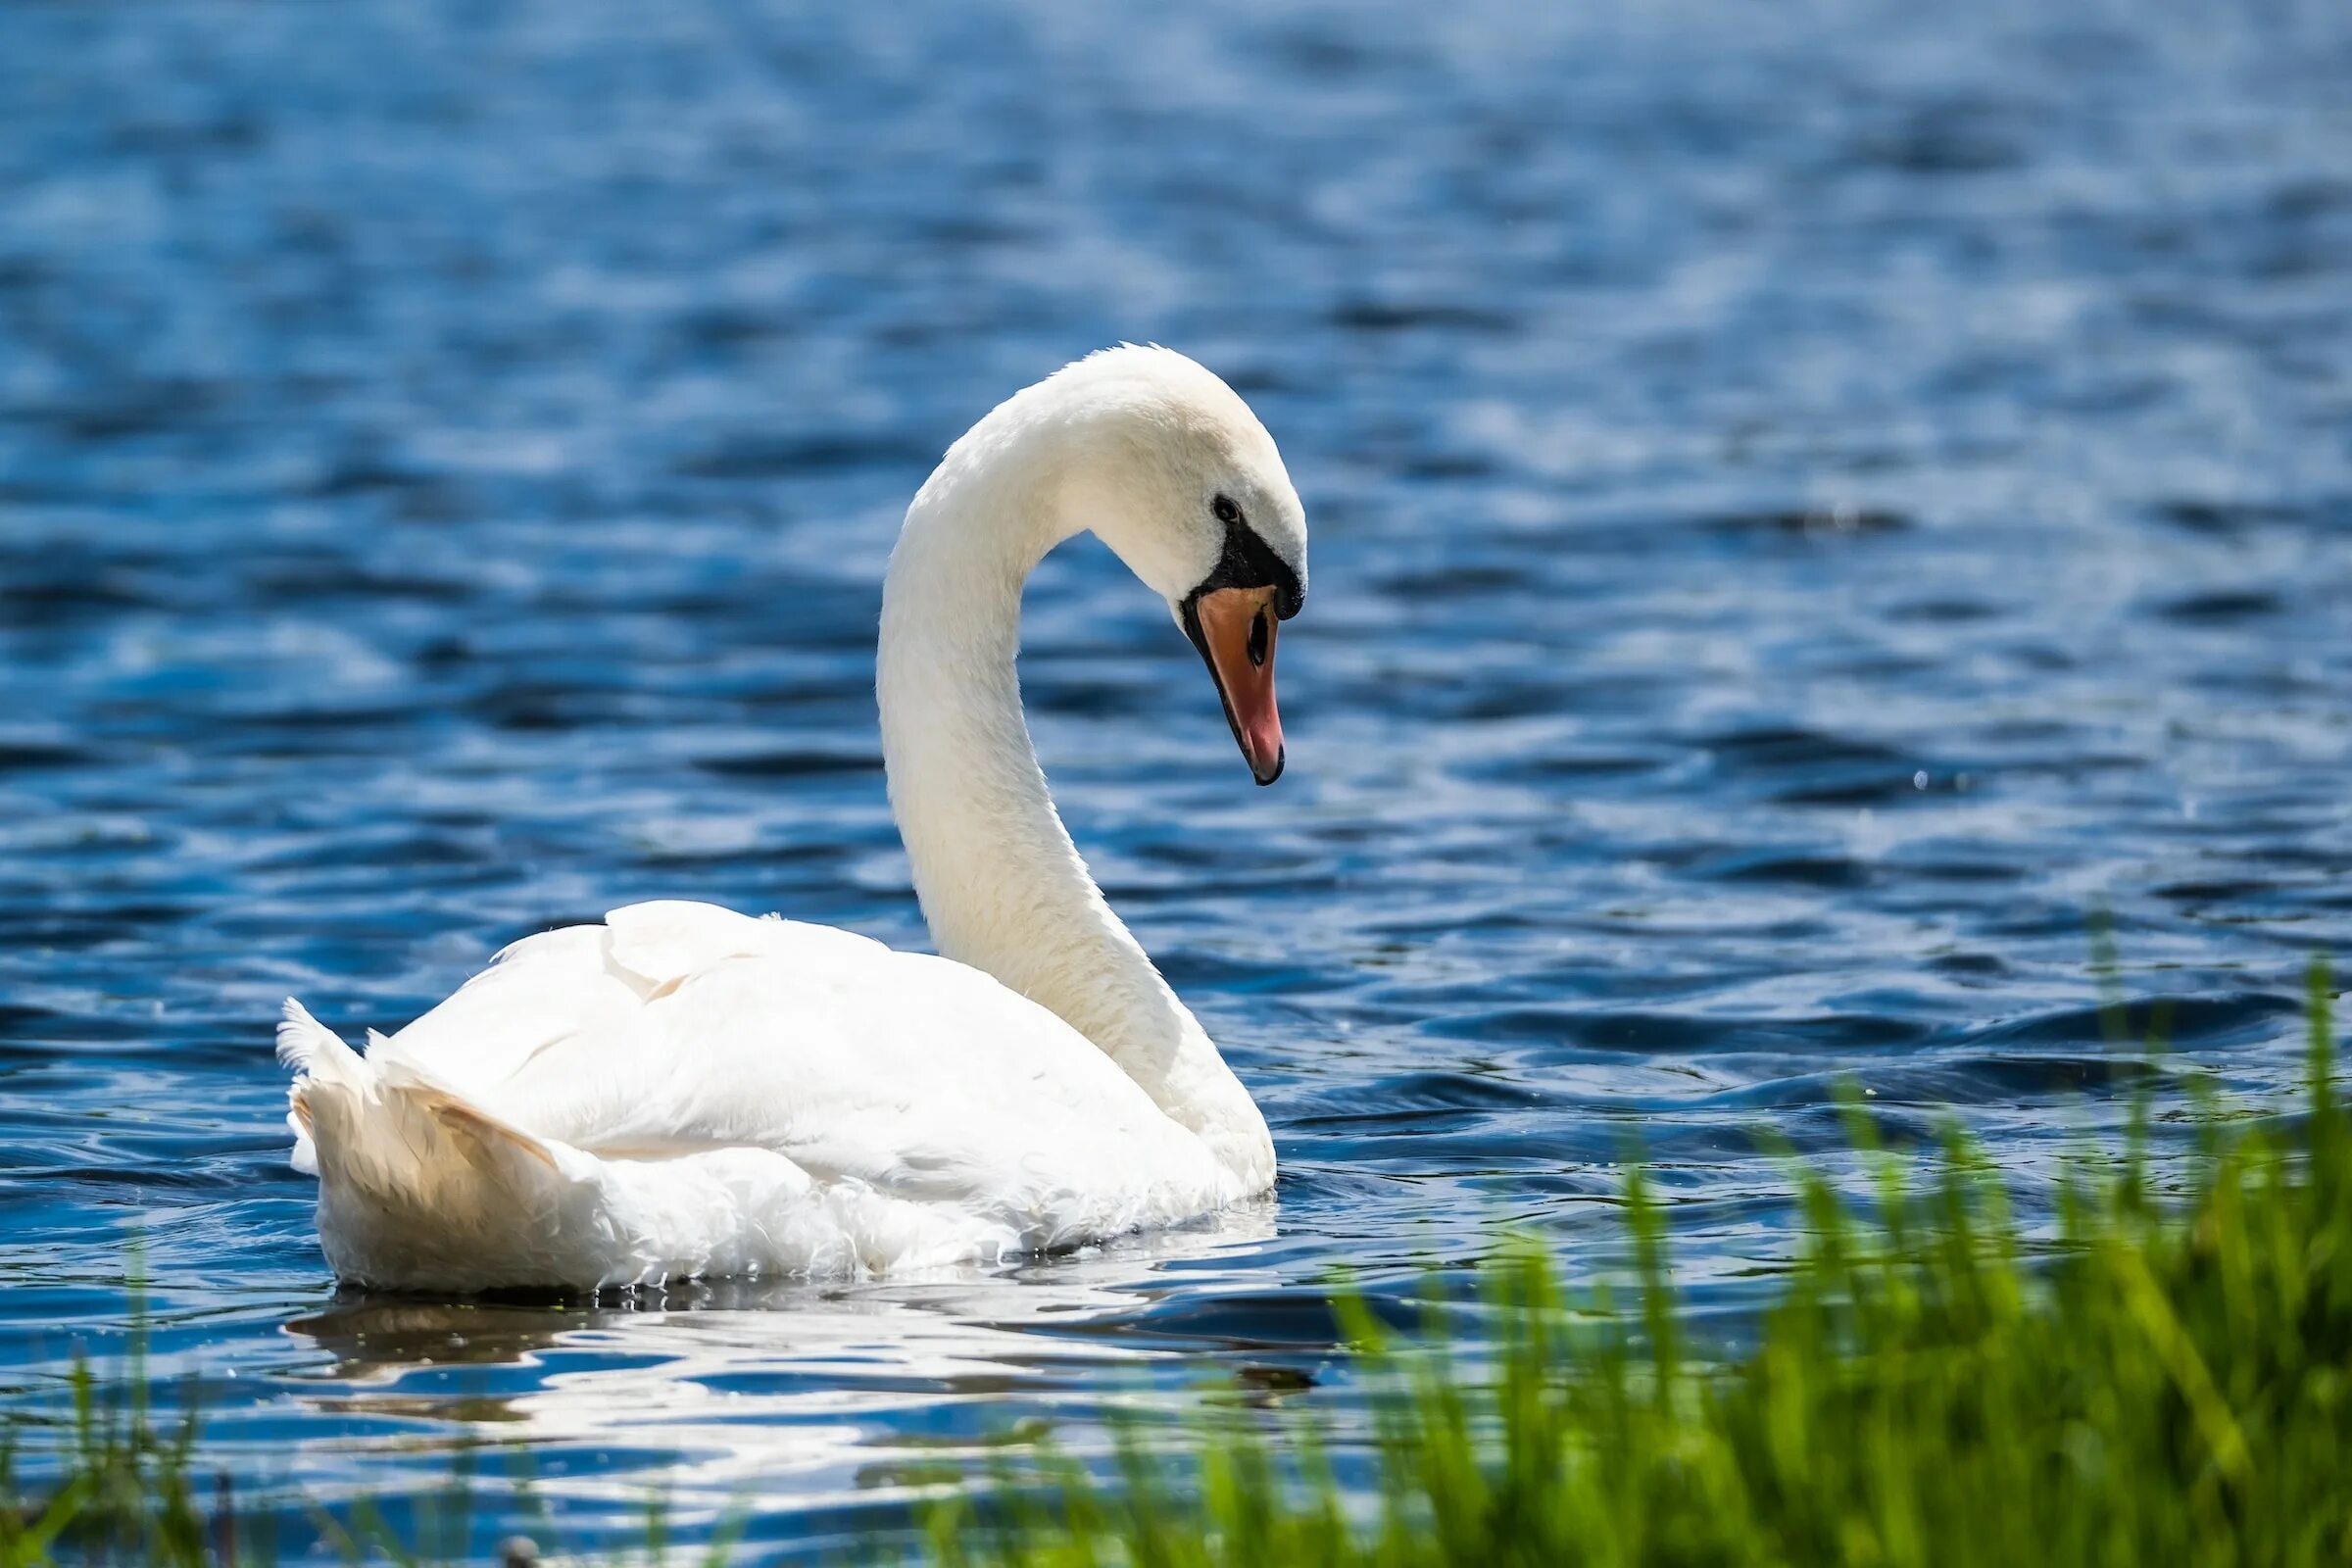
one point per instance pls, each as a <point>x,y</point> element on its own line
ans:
<point>1807,511</point>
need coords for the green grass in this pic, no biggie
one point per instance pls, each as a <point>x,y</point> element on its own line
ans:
<point>2168,1379</point>
<point>127,1492</point>
<point>2166,1382</point>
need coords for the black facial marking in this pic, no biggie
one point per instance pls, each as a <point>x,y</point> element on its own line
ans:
<point>1248,561</point>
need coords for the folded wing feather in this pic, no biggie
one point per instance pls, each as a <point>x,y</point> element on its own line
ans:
<point>676,1028</point>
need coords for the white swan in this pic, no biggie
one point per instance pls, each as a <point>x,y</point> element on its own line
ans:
<point>683,1091</point>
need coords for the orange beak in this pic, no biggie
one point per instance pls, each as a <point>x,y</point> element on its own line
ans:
<point>1233,628</point>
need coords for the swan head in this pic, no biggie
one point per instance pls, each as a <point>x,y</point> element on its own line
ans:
<point>1175,474</point>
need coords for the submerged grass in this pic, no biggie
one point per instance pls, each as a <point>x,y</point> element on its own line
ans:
<point>2169,1380</point>
<point>127,1492</point>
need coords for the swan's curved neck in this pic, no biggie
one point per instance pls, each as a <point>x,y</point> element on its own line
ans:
<point>1002,884</point>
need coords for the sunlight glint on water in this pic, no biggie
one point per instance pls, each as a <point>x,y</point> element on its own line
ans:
<point>1806,507</point>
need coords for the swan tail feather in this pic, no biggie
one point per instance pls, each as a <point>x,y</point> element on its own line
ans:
<point>320,1063</point>
<point>303,1044</point>
<point>408,1170</point>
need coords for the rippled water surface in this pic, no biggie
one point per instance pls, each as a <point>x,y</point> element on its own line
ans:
<point>1810,502</point>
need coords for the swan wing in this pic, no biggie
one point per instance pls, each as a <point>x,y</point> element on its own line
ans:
<point>674,1029</point>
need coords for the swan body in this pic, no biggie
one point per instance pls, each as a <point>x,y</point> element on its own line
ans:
<point>682,1091</point>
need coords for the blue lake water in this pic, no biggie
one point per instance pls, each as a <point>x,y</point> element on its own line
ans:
<point>1810,502</point>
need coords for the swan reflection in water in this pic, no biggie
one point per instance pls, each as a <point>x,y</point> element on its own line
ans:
<point>835,1391</point>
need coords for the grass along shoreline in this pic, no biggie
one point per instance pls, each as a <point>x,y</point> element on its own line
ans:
<point>2170,1382</point>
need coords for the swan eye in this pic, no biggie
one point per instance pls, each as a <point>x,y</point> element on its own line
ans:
<point>1259,637</point>
<point>1226,512</point>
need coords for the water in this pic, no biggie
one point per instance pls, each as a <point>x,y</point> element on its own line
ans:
<point>1809,503</point>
